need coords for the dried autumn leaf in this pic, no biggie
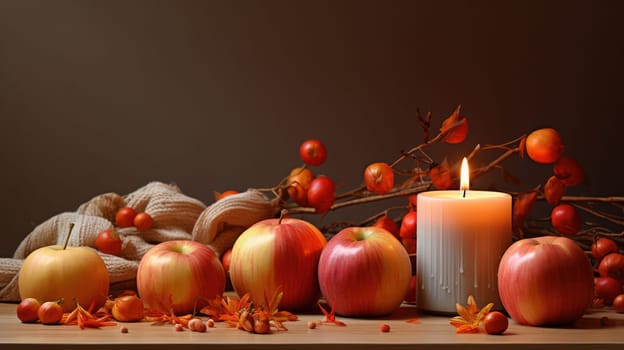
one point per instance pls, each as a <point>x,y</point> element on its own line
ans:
<point>85,319</point>
<point>470,316</point>
<point>553,190</point>
<point>330,317</point>
<point>521,209</point>
<point>522,145</point>
<point>455,127</point>
<point>440,176</point>
<point>451,121</point>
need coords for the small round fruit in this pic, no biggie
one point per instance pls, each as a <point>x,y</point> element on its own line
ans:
<point>27,310</point>
<point>612,265</point>
<point>495,323</point>
<point>607,289</point>
<point>565,220</point>
<point>298,183</point>
<point>226,258</point>
<point>321,194</point>
<point>109,242</point>
<point>388,224</point>
<point>410,295</point>
<point>143,221</point>
<point>125,217</point>
<point>196,325</point>
<point>128,308</point>
<point>313,152</point>
<point>221,195</point>
<point>384,328</point>
<point>379,178</point>
<point>408,225</point>
<point>602,247</point>
<point>50,312</point>
<point>618,303</point>
<point>544,145</point>
<point>569,171</point>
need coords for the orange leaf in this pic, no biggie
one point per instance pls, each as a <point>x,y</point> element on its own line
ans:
<point>469,316</point>
<point>441,176</point>
<point>522,145</point>
<point>553,190</point>
<point>330,317</point>
<point>451,121</point>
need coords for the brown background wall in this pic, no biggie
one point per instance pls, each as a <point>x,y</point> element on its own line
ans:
<point>101,96</point>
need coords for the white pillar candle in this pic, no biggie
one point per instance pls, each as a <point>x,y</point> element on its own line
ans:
<point>461,238</point>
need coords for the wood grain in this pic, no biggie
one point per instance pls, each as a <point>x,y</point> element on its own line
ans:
<point>432,332</point>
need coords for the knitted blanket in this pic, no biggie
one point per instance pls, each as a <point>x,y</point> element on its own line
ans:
<point>175,216</point>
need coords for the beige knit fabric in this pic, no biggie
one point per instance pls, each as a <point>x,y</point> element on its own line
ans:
<point>176,216</point>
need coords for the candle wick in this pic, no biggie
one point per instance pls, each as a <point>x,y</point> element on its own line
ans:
<point>464,193</point>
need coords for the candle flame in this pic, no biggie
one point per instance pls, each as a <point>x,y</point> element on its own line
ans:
<point>464,183</point>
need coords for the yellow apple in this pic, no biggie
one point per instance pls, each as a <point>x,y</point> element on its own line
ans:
<point>71,273</point>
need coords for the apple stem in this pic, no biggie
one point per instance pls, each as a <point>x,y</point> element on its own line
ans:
<point>71,227</point>
<point>283,214</point>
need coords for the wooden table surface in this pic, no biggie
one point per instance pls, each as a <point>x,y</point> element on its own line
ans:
<point>432,332</point>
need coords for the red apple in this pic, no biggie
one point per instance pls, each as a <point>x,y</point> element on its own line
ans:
<point>612,265</point>
<point>179,275</point>
<point>278,253</point>
<point>545,281</point>
<point>53,273</point>
<point>364,271</point>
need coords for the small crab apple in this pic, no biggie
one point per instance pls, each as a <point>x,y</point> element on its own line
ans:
<point>385,222</point>
<point>607,288</point>
<point>50,312</point>
<point>544,145</point>
<point>313,152</point>
<point>298,183</point>
<point>408,225</point>
<point>109,242</point>
<point>125,217</point>
<point>495,322</point>
<point>603,246</point>
<point>612,265</point>
<point>321,194</point>
<point>379,178</point>
<point>565,220</point>
<point>143,221</point>
<point>27,310</point>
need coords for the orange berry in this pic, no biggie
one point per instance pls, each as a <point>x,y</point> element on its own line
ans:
<point>544,145</point>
